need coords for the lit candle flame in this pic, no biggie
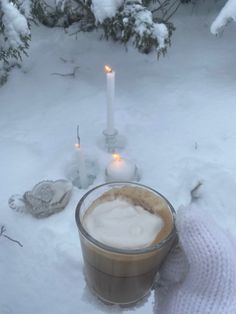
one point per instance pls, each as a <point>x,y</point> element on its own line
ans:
<point>77,145</point>
<point>116,157</point>
<point>107,69</point>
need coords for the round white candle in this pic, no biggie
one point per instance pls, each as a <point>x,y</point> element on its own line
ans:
<point>121,224</point>
<point>120,169</point>
<point>110,75</point>
<point>82,167</point>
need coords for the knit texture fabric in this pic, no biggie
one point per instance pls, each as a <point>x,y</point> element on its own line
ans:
<point>199,276</point>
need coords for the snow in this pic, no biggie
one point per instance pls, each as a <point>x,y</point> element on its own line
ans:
<point>227,14</point>
<point>25,7</point>
<point>142,18</point>
<point>15,24</point>
<point>177,114</point>
<point>144,24</point>
<point>161,33</point>
<point>105,8</point>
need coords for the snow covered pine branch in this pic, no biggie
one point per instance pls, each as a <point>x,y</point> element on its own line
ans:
<point>121,20</point>
<point>226,15</point>
<point>130,20</point>
<point>14,31</point>
<point>14,34</point>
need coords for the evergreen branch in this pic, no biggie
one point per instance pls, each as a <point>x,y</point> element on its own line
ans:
<point>86,7</point>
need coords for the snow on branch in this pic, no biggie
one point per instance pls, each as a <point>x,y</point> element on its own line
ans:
<point>14,34</point>
<point>105,8</point>
<point>15,24</point>
<point>134,23</point>
<point>14,31</point>
<point>126,21</point>
<point>226,15</point>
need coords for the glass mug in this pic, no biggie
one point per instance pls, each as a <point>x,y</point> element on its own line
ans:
<point>124,276</point>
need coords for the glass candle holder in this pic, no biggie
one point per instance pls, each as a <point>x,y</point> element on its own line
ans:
<point>124,276</point>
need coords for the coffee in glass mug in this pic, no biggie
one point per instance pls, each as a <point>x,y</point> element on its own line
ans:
<point>126,231</point>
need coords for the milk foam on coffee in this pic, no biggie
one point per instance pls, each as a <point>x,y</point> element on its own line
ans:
<point>121,224</point>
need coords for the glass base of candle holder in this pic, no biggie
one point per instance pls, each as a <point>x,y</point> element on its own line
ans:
<point>73,174</point>
<point>136,176</point>
<point>112,142</point>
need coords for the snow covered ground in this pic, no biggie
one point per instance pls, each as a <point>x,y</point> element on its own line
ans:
<point>177,114</point>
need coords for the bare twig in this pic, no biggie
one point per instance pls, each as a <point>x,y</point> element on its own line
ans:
<point>3,229</point>
<point>63,60</point>
<point>161,6</point>
<point>167,19</point>
<point>72,74</point>
<point>2,233</point>
<point>173,12</point>
<point>66,60</point>
<point>195,191</point>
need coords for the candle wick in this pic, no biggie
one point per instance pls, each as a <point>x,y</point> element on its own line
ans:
<point>107,69</point>
<point>78,137</point>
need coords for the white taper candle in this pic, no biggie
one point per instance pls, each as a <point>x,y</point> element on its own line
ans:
<point>110,75</point>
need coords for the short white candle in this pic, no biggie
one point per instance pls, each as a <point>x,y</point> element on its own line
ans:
<point>81,167</point>
<point>120,169</point>
<point>110,75</point>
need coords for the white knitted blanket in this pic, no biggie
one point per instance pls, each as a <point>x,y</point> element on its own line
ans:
<point>202,279</point>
